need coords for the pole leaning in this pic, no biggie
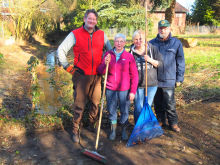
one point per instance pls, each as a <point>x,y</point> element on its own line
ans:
<point>146,34</point>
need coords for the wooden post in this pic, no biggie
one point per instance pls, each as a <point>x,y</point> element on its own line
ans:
<point>146,34</point>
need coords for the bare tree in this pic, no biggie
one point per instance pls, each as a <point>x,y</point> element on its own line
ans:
<point>170,12</point>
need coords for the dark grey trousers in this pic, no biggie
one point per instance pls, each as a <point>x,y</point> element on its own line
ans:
<point>165,105</point>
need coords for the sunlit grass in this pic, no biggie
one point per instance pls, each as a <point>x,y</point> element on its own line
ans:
<point>202,75</point>
<point>200,58</point>
<point>208,36</point>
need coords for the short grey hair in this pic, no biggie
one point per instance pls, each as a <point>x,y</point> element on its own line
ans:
<point>138,32</point>
<point>120,35</point>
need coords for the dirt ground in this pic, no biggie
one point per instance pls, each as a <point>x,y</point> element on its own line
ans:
<point>198,142</point>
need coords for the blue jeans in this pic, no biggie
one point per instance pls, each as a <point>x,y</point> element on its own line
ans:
<point>115,97</point>
<point>139,99</point>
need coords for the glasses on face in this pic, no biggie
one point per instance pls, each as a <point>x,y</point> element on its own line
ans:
<point>117,42</point>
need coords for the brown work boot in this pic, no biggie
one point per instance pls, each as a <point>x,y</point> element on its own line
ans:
<point>175,128</point>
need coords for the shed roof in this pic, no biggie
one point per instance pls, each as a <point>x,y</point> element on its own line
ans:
<point>178,8</point>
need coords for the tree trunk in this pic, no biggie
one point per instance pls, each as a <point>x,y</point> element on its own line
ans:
<point>73,6</point>
<point>90,4</point>
<point>170,12</point>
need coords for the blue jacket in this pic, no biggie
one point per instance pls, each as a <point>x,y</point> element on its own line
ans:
<point>173,61</point>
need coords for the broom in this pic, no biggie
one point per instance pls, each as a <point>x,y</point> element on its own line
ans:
<point>94,154</point>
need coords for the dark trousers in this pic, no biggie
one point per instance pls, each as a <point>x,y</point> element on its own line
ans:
<point>87,88</point>
<point>165,105</point>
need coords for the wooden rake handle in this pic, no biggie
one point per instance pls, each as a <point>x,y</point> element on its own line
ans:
<point>102,104</point>
<point>146,34</point>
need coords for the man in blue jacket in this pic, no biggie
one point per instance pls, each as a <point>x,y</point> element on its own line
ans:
<point>170,75</point>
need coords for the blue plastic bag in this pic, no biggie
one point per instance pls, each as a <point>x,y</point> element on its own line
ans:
<point>147,126</point>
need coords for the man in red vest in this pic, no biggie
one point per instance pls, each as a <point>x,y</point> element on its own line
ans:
<point>88,44</point>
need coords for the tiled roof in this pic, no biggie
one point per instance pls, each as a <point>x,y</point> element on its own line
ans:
<point>180,8</point>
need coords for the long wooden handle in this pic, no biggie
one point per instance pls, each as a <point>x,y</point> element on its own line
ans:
<point>102,104</point>
<point>146,34</point>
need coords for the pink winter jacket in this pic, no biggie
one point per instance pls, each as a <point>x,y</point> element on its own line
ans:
<point>123,74</point>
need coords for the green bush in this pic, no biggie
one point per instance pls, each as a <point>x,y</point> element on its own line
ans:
<point>65,116</point>
<point>1,58</point>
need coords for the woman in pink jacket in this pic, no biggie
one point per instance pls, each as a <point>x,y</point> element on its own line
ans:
<point>122,82</point>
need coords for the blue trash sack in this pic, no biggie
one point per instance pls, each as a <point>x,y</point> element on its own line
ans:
<point>146,128</point>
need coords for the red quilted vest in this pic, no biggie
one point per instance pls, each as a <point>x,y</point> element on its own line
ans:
<point>88,51</point>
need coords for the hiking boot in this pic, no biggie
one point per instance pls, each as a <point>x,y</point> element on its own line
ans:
<point>175,128</point>
<point>124,134</point>
<point>112,135</point>
<point>75,138</point>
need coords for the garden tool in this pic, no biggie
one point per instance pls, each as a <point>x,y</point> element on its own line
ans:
<point>94,154</point>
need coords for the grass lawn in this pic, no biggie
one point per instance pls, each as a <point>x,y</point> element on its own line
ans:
<point>202,76</point>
